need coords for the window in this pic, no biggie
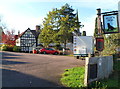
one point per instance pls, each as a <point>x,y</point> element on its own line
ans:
<point>47,48</point>
<point>50,49</point>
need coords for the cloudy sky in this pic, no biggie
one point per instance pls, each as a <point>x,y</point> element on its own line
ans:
<point>23,14</point>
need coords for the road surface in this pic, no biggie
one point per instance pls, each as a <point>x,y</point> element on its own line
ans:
<point>35,70</point>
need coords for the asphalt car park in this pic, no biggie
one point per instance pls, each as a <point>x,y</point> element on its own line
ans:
<point>35,70</point>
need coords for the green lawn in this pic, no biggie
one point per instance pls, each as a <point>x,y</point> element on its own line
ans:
<point>74,78</point>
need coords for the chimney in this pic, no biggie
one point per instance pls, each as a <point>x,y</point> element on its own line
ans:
<point>37,28</point>
<point>18,33</point>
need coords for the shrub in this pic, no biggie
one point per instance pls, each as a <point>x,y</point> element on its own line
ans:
<point>7,47</point>
<point>16,49</point>
<point>4,48</point>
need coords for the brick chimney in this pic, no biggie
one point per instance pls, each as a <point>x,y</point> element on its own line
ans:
<point>37,28</point>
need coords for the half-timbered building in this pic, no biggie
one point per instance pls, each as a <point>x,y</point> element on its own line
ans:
<point>28,39</point>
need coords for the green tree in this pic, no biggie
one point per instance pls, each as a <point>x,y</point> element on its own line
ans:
<point>111,44</point>
<point>49,28</point>
<point>68,24</point>
<point>59,25</point>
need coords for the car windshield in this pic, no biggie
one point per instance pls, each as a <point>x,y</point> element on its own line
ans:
<point>51,49</point>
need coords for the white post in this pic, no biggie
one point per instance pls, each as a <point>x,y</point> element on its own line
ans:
<point>119,14</point>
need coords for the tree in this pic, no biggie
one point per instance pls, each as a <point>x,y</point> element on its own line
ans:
<point>50,27</point>
<point>8,37</point>
<point>112,42</point>
<point>68,23</point>
<point>59,25</point>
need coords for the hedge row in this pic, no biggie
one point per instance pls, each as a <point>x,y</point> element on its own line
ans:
<point>10,48</point>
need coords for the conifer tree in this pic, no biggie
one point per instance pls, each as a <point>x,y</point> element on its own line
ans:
<point>59,25</point>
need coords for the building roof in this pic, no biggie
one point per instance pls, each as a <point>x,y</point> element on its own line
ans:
<point>36,34</point>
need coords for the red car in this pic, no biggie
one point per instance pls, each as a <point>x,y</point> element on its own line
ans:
<point>48,51</point>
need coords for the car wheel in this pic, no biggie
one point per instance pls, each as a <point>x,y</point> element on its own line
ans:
<point>56,53</point>
<point>44,52</point>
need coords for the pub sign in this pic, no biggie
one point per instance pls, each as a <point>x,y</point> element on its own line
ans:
<point>110,23</point>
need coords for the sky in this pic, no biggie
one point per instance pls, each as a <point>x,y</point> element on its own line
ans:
<point>22,14</point>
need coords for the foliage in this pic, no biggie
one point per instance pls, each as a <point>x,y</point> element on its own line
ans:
<point>58,26</point>
<point>73,77</point>
<point>8,37</point>
<point>111,43</point>
<point>16,49</point>
<point>4,48</point>
<point>97,85</point>
<point>7,47</point>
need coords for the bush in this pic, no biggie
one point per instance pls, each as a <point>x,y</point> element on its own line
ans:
<point>7,47</point>
<point>16,49</point>
<point>4,48</point>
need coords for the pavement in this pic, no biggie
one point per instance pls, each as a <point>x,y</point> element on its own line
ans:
<point>35,70</point>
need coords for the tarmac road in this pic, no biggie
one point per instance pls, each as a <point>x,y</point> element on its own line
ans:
<point>35,70</point>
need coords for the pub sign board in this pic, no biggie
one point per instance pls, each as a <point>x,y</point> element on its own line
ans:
<point>110,23</point>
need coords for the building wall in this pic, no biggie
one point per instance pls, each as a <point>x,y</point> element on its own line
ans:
<point>27,41</point>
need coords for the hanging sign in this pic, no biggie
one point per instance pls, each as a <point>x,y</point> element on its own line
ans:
<point>110,23</point>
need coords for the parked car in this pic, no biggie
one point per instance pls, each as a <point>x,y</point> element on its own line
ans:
<point>48,51</point>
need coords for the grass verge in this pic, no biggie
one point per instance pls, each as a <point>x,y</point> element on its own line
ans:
<point>74,78</point>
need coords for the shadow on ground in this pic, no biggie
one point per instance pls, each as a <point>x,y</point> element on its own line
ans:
<point>6,62</point>
<point>12,78</point>
<point>9,55</point>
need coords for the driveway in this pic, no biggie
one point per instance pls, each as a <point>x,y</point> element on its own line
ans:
<point>35,70</point>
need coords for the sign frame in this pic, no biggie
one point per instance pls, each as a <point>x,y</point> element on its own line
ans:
<point>112,28</point>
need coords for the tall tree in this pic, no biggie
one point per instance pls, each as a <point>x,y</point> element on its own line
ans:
<point>8,37</point>
<point>50,27</point>
<point>60,23</point>
<point>69,23</point>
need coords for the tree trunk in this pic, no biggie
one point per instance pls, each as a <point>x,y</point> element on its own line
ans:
<point>65,44</point>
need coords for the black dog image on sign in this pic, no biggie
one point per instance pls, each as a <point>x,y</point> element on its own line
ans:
<point>110,27</point>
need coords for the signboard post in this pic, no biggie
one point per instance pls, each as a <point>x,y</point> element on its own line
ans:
<point>119,14</point>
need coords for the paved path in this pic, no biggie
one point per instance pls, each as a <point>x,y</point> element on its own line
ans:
<point>35,70</point>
